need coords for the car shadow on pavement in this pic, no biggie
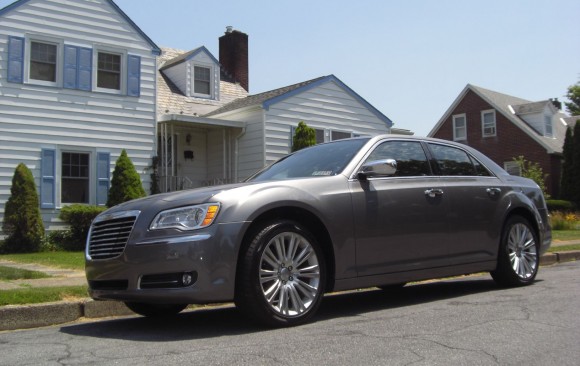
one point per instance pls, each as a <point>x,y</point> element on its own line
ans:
<point>227,320</point>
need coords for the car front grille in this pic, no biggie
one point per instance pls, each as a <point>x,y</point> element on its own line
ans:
<point>109,235</point>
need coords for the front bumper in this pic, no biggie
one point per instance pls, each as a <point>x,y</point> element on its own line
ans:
<point>150,269</point>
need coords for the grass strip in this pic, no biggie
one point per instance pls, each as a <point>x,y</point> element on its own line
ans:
<point>9,273</point>
<point>43,294</point>
<point>566,235</point>
<point>65,260</point>
<point>564,248</point>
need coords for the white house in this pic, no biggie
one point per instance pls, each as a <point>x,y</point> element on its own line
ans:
<point>77,85</point>
<point>212,131</point>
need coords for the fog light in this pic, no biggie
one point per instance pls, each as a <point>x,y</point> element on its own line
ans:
<point>186,279</point>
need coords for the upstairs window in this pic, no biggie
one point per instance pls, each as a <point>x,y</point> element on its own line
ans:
<point>459,127</point>
<point>202,79</point>
<point>109,71</point>
<point>43,61</point>
<point>488,124</point>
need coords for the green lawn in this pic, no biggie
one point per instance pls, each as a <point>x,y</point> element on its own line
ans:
<point>566,235</point>
<point>9,273</point>
<point>41,294</point>
<point>66,260</point>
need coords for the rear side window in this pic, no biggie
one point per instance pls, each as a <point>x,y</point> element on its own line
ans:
<point>453,161</point>
<point>410,157</point>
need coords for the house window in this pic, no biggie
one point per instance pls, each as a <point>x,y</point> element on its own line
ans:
<point>548,128</point>
<point>513,168</point>
<point>339,135</point>
<point>75,177</point>
<point>43,61</point>
<point>201,83</point>
<point>459,127</point>
<point>319,135</point>
<point>488,124</point>
<point>109,71</point>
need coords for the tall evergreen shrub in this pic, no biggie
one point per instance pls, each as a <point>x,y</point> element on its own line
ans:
<point>126,183</point>
<point>304,136</point>
<point>22,220</point>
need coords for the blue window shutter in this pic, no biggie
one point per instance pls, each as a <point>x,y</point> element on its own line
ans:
<point>103,173</point>
<point>134,76</point>
<point>15,59</point>
<point>71,54</point>
<point>48,178</point>
<point>85,68</point>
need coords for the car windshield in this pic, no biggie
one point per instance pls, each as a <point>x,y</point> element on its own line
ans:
<point>316,161</point>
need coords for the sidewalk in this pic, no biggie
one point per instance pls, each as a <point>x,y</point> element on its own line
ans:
<point>38,315</point>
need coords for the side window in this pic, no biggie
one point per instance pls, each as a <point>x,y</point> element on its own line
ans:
<point>454,161</point>
<point>410,157</point>
<point>459,127</point>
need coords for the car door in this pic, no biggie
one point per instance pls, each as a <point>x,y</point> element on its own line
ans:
<point>400,221</point>
<point>474,195</point>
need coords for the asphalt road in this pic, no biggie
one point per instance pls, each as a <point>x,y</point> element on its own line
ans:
<point>466,321</point>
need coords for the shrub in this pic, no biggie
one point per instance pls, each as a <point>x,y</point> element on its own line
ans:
<point>564,221</point>
<point>126,183</point>
<point>22,221</point>
<point>79,217</point>
<point>304,136</point>
<point>560,205</point>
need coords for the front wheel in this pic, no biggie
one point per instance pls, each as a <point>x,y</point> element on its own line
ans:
<point>518,259</point>
<point>282,275</point>
<point>155,310</point>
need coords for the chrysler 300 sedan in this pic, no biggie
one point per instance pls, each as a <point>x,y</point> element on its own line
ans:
<point>348,214</point>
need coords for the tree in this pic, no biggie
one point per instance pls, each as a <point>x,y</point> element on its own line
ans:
<point>574,96</point>
<point>567,182</point>
<point>574,195</point>
<point>126,183</point>
<point>22,220</point>
<point>534,172</point>
<point>304,136</point>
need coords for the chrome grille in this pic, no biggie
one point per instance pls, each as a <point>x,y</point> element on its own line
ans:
<point>110,235</point>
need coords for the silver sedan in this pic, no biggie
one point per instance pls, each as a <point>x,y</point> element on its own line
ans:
<point>352,213</point>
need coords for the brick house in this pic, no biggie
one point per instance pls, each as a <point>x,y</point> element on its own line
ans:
<point>504,127</point>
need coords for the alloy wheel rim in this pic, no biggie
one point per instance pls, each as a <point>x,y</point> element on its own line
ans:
<point>289,274</point>
<point>522,251</point>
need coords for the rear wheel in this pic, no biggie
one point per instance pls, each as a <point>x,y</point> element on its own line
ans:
<point>518,258</point>
<point>282,275</point>
<point>155,310</point>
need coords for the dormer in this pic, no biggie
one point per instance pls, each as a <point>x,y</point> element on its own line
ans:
<point>538,115</point>
<point>196,73</point>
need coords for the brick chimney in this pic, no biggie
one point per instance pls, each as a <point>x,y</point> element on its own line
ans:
<point>234,55</point>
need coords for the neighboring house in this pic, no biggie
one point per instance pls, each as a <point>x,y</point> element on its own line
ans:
<point>505,127</point>
<point>77,85</point>
<point>212,131</point>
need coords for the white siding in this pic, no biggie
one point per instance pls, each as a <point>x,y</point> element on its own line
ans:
<point>327,107</point>
<point>34,117</point>
<point>179,75</point>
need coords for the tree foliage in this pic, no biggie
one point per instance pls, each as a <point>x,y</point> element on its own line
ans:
<point>570,185</point>
<point>79,217</point>
<point>304,136</point>
<point>22,220</point>
<point>534,172</point>
<point>126,183</point>
<point>574,96</point>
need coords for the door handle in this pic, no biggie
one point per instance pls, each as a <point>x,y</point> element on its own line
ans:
<point>433,192</point>
<point>493,191</point>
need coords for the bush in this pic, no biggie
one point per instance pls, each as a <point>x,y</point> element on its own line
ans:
<point>564,221</point>
<point>22,221</point>
<point>79,217</point>
<point>560,205</point>
<point>126,183</point>
<point>304,136</point>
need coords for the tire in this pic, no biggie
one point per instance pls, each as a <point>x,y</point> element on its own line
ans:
<point>518,258</point>
<point>155,310</point>
<point>282,275</point>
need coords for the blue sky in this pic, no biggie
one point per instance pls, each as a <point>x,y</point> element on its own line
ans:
<point>408,58</point>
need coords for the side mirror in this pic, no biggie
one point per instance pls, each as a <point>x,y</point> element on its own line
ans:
<point>378,168</point>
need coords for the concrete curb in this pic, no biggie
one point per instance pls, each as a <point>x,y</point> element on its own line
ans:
<point>14,317</point>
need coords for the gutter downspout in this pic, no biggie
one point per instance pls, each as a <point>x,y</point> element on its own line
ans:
<point>238,137</point>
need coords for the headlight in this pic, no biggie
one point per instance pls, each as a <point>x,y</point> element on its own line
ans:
<point>186,218</point>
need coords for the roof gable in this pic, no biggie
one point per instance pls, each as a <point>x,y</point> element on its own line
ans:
<point>269,98</point>
<point>189,56</point>
<point>155,50</point>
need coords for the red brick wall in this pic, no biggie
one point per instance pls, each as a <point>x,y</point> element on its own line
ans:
<point>509,142</point>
